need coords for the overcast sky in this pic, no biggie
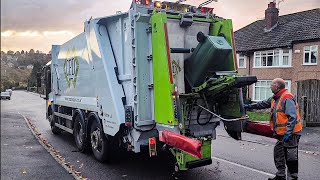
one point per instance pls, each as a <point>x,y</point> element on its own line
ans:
<point>38,24</point>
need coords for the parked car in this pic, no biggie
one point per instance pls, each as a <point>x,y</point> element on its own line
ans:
<point>5,95</point>
<point>10,91</point>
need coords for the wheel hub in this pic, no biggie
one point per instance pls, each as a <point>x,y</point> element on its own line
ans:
<point>96,139</point>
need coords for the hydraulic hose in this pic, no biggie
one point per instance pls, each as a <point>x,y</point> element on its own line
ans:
<point>234,119</point>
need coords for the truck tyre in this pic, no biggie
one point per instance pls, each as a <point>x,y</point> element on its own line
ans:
<point>99,143</point>
<point>55,130</point>
<point>79,134</point>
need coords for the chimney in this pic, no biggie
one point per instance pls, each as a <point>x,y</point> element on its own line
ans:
<point>271,16</point>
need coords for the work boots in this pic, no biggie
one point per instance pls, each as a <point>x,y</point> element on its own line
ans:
<point>278,178</point>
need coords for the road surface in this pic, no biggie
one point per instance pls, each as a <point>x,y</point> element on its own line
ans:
<point>248,159</point>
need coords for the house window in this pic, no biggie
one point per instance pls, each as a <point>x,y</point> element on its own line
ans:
<point>285,56</point>
<point>241,60</point>
<point>273,58</point>
<point>262,90</point>
<point>310,55</point>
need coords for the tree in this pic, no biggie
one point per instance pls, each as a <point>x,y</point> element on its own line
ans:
<point>22,51</point>
<point>4,57</point>
<point>5,83</point>
<point>33,76</point>
<point>10,52</point>
<point>37,51</point>
<point>17,53</point>
<point>31,51</point>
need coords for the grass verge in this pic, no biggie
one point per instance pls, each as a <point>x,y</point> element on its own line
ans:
<point>258,116</point>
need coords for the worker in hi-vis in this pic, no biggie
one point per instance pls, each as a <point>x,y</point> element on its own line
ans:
<point>286,126</point>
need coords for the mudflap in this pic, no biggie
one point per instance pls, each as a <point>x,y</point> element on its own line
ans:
<point>234,128</point>
<point>185,161</point>
<point>184,143</point>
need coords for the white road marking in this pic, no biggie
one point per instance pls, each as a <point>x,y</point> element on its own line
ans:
<point>245,167</point>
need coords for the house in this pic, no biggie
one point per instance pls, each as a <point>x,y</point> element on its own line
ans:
<point>279,46</point>
<point>12,58</point>
<point>285,46</point>
<point>30,66</point>
<point>21,67</point>
<point>10,65</point>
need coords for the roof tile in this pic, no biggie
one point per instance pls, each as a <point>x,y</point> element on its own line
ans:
<point>299,26</point>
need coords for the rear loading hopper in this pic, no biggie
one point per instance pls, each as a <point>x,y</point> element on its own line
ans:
<point>195,84</point>
<point>211,55</point>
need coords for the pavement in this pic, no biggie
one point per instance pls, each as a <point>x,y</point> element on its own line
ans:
<point>22,156</point>
<point>310,140</point>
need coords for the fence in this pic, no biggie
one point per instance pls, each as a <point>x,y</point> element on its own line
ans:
<point>308,96</point>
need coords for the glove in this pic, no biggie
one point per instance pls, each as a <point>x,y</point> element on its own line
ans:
<point>286,137</point>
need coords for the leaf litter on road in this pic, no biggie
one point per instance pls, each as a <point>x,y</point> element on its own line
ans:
<point>54,153</point>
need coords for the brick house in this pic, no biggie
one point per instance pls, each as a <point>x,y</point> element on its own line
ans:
<point>30,66</point>
<point>285,46</point>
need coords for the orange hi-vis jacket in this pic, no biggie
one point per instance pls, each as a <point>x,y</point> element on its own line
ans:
<point>281,118</point>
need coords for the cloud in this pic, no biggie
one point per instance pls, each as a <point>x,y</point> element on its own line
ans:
<point>7,33</point>
<point>57,15</point>
<point>22,15</point>
<point>13,34</point>
<point>28,34</point>
<point>10,34</point>
<point>27,24</point>
<point>38,24</point>
<point>50,33</point>
<point>244,12</point>
<point>25,40</point>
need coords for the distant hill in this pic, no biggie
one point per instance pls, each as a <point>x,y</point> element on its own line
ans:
<point>18,69</point>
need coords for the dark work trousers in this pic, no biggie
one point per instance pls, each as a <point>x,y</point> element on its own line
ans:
<point>286,153</point>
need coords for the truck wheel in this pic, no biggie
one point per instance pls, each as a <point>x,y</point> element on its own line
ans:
<point>79,134</point>
<point>55,130</point>
<point>99,143</point>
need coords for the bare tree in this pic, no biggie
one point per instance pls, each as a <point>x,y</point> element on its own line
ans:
<point>31,51</point>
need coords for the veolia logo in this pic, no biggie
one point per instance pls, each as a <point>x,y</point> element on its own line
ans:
<point>71,67</point>
<point>175,68</point>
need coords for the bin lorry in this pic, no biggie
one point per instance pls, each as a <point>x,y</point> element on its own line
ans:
<point>159,77</point>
